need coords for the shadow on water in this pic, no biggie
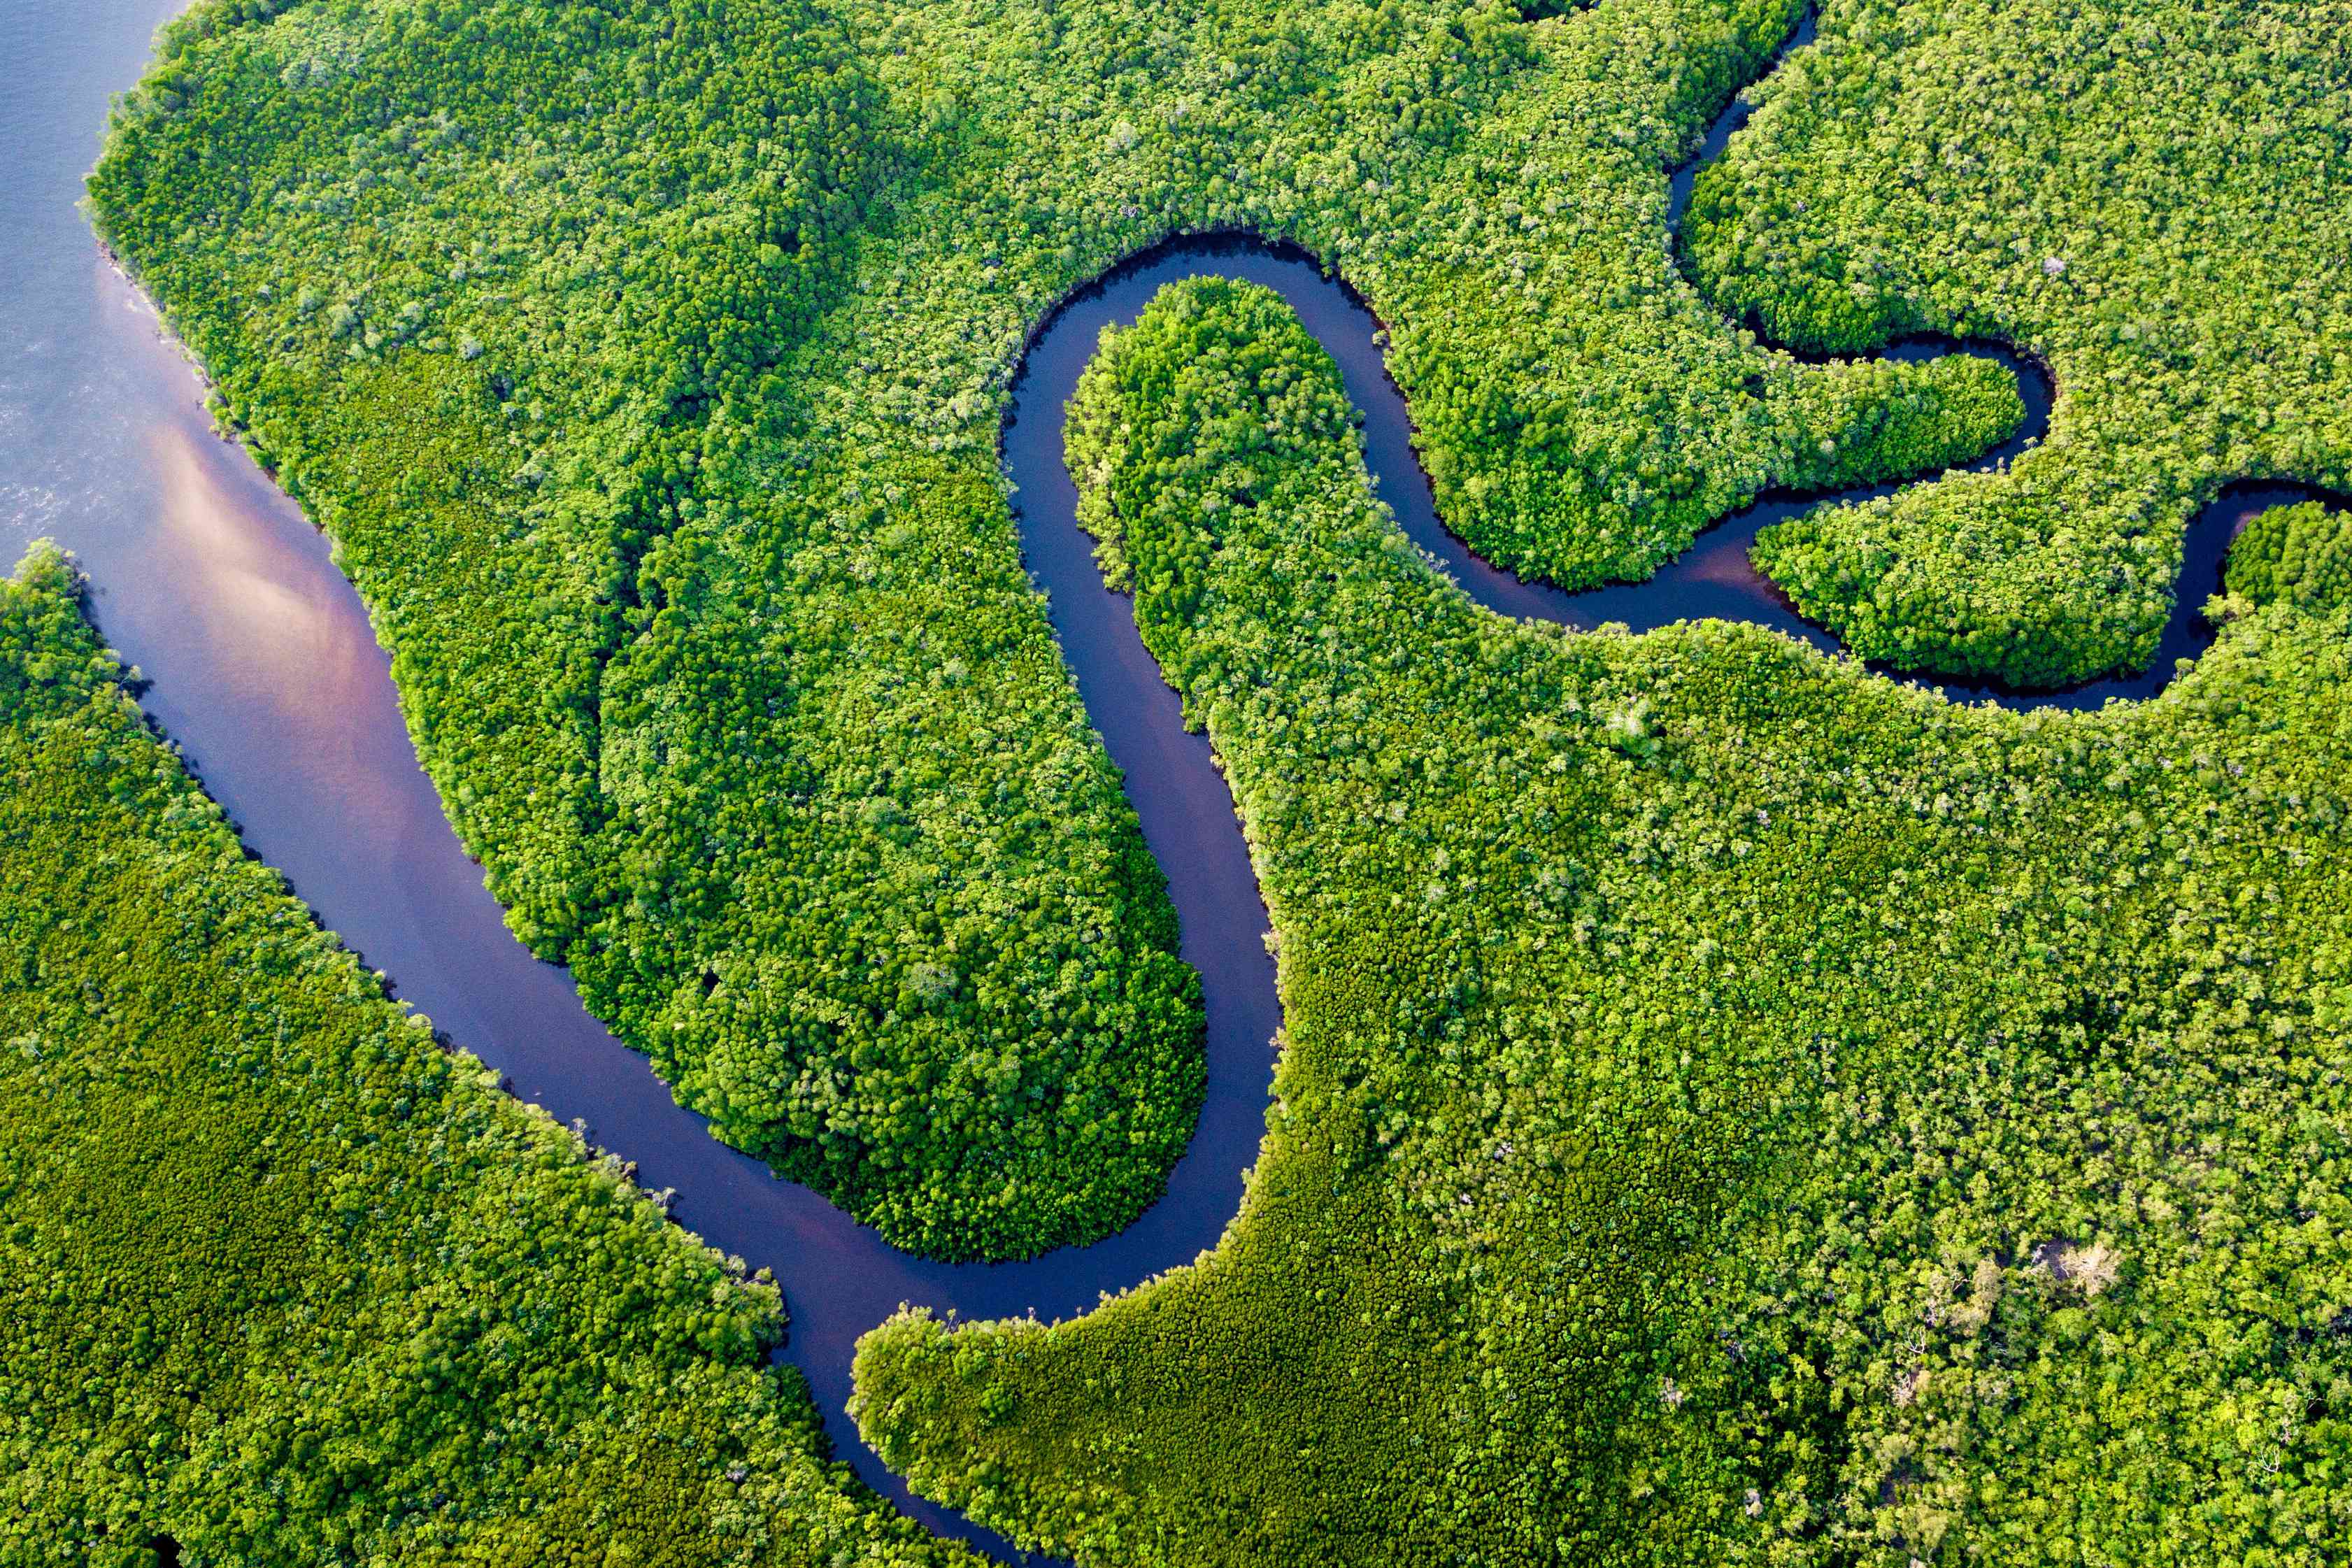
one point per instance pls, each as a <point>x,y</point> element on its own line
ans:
<point>263,665</point>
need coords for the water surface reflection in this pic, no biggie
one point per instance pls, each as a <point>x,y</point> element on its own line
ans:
<point>264,666</point>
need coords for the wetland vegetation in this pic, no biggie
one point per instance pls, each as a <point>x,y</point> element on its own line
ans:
<point>1733,1106</point>
<point>645,361</point>
<point>283,1279</point>
<point>2140,193</point>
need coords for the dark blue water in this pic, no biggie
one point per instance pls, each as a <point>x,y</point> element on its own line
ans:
<point>265,668</point>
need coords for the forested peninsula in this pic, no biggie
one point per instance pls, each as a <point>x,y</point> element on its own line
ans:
<point>2146,195</point>
<point>1733,1106</point>
<point>282,1280</point>
<point>644,362</point>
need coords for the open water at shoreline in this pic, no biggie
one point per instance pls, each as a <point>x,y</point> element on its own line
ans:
<point>264,667</point>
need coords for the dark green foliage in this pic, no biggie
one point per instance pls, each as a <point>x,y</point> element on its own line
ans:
<point>1735,1107</point>
<point>2154,196</point>
<point>282,1279</point>
<point>645,360</point>
<point>2301,553</point>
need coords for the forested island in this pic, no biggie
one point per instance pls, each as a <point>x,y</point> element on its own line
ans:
<point>1734,1103</point>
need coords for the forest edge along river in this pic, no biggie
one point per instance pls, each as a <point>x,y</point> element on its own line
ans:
<point>313,761</point>
<point>263,665</point>
<point>1712,580</point>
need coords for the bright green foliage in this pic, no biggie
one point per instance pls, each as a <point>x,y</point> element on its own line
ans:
<point>511,292</point>
<point>645,360</point>
<point>1735,1107</point>
<point>2154,196</point>
<point>2301,554</point>
<point>284,1282</point>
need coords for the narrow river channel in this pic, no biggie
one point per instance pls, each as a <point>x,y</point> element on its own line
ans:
<point>265,668</point>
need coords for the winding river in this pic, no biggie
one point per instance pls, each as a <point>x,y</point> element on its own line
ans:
<point>264,666</point>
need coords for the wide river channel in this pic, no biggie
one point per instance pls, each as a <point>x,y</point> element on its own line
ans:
<point>264,667</point>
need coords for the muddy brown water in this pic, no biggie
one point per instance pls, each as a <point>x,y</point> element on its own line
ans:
<point>262,666</point>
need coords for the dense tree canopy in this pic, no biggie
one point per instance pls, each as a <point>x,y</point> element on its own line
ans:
<point>2301,552</point>
<point>645,360</point>
<point>1735,1107</point>
<point>282,1279</point>
<point>2154,196</point>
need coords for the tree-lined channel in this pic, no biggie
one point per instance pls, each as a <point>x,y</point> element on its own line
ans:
<point>264,666</point>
